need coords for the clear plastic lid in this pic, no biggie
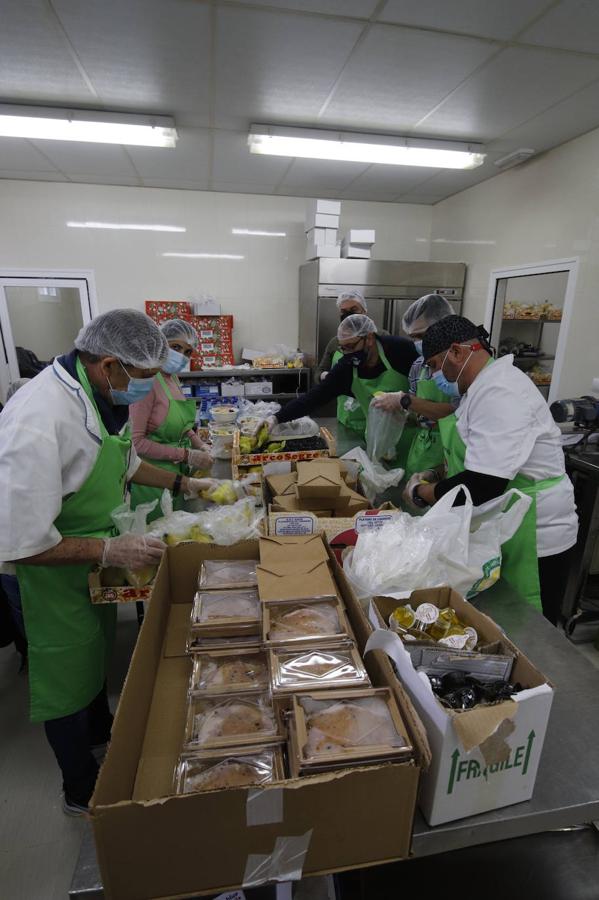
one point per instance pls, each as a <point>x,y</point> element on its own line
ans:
<point>236,720</point>
<point>334,726</point>
<point>321,667</point>
<point>229,671</point>
<point>289,621</point>
<point>198,642</point>
<point>210,607</point>
<point>228,573</point>
<point>213,773</point>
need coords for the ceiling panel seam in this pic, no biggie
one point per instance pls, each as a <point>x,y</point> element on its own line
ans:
<point>60,28</point>
<point>51,163</point>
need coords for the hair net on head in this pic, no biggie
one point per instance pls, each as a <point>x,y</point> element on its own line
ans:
<point>355,327</point>
<point>14,386</point>
<point>129,335</point>
<point>452,330</point>
<point>179,329</point>
<point>424,312</point>
<point>352,295</point>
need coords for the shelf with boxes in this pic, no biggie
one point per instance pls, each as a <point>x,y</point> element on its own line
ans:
<point>210,384</point>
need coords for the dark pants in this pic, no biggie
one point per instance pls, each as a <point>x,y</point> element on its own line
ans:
<point>71,738</point>
<point>553,577</point>
<point>10,586</point>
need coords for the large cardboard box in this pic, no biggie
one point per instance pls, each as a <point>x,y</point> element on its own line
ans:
<point>151,844</point>
<point>483,758</point>
<point>319,479</point>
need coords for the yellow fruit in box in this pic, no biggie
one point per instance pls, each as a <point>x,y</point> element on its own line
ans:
<point>140,577</point>
<point>263,436</point>
<point>223,494</point>
<point>201,537</point>
<point>276,447</point>
<point>247,444</point>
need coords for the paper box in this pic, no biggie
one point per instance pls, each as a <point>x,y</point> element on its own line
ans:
<point>295,580</point>
<point>322,220</point>
<point>360,236</point>
<point>258,388</point>
<point>316,251</point>
<point>232,389</point>
<point>290,503</point>
<point>322,236</point>
<point>329,207</point>
<point>280,549</point>
<point>282,484</point>
<point>152,844</point>
<point>483,758</point>
<point>99,592</point>
<point>318,479</point>
<point>351,251</point>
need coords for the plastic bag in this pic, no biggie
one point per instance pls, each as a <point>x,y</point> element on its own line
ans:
<point>384,429</point>
<point>134,521</point>
<point>458,546</point>
<point>261,409</point>
<point>222,525</point>
<point>227,492</point>
<point>374,478</point>
<point>295,430</point>
<point>351,404</point>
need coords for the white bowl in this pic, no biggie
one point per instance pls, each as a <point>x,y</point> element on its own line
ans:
<point>224,415</point>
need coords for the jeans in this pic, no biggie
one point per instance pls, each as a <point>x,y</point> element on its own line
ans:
<point>10,586</point>
<point>71,738</point>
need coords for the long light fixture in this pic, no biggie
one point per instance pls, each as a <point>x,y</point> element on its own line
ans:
<point>124,226</point>
<point>365,148</point>
<point>206,255</point>
<point>257,233</point>
<point>46,123</point>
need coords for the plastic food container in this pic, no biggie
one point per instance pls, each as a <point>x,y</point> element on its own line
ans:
<point>224,415</point>
<point>231,721</point>
<point>219,770</point>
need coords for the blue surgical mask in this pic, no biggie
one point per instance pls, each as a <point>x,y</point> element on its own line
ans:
<point>418,347</point>
<point>175,362</point>
<point>137,389</point>
<point>451,388</point>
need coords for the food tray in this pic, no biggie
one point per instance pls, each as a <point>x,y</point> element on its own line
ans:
<point>226,574</point>
<point>229,672</point>
<point>315,668</point>
<point>259,458</point>
<point>278,619</point>
<point>222,770</point>
<point>230,721</point>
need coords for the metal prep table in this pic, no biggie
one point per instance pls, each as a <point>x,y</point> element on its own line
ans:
<point>567,787</point>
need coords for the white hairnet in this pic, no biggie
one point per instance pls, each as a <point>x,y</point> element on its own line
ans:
<point>424,312</point>
<point>352,295</point>
<point>14,386</point>
<point>174,329</point>
<point>355,327</point>
<point>129,335</point>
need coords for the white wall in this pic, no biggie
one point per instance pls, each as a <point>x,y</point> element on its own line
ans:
<point>547,209</point>
<point>46,326</point>
<point>260,291</point>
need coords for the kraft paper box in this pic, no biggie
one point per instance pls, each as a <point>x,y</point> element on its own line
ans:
<point>281,485</point>
<point>152,844</point>
<point>289,503</point>
<point>319,479</point>
<point>282,549</point>
<point>295,580</point>
<point>483,758</point>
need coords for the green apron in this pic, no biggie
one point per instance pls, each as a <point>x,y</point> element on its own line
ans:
<point>179,421</point>
<point>70,639</point>
<point>390,381</point>
<point>426,451</point>
<point>519,561</point>
<point>351,418</point>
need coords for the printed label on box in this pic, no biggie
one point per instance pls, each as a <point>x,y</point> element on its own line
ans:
<point>207,348</point>
<point>291,525</point>
<point>207,334</point>
<point>371,523</point>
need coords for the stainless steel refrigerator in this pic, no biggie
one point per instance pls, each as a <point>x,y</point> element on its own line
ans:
<point>389,287</point>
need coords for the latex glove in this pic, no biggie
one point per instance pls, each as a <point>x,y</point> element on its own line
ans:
<point>199,459</point>
<point>195,486</point>
<point>132,551</point>
<point>428,476</point>
<point>196,442</point>
<point>323,376</point>
<point>389,402</point>
<point>271,422</point>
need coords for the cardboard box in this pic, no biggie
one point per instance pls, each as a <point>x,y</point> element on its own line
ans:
<point>360,236</point>
<point>152,844</point>
<point>322,236</point>
<point>316,251</point>
<point>295,579</point>
<point>279,549</point>
<point>290,503</point>
<point>287,456</point>
<point>483,758</point>
<point>351,251</point>
<point>232,389</point>
<point>320,479</point>
<point>328,207</point>
<point>282,484</point>
<point>258,388</point>
<point>322,220</point>
<point>106,593</point>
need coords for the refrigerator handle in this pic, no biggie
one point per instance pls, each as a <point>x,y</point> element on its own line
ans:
<point>389,316</point>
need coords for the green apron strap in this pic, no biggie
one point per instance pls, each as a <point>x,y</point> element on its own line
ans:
<point>426,451</point>
<point>350,418</point>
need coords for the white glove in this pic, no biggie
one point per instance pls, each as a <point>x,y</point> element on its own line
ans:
<point>389,402</point>
<point>199,459</point>
<point>323,375</point>
<point>132,551</point>
<point>196,442</point>
<point>271,422</point>
<point>195,486</point>
<point>429,476</point>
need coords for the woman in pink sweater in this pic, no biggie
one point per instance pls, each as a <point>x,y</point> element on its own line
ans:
<point>163,422</point>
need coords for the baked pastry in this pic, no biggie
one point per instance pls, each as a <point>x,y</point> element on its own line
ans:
<point>229,670</point>
<point>346,725</point>
<point>231,719</point>
<point>303,621</point>
<point>226,774</point>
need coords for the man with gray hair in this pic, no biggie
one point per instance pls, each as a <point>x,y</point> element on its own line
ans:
<point>65,459</point>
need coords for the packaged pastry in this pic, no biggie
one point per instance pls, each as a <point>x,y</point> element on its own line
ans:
<point>200,642</point>
<point>316,668</point>
<point>230,721</point>
<point>223,574</point>
<point>225,607</point>
<point>215,771</point>
<point>304,621</point>
<point>229,671</point>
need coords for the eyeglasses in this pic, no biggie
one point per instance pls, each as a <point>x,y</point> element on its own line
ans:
<point>351,348</point>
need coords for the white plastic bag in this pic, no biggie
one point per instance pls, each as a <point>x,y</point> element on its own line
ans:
<point>261,409</point>
<point>295,430</point>
<point>384,429</point>
<point>223,525</point>
<point>459,546</point>
<point>374,478</point>
<point>134,521</point>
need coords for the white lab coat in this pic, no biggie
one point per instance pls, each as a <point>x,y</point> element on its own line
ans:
<point>508,429</point>
<point>49,442</point>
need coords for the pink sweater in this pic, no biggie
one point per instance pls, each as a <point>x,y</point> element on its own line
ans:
<point>147,416</point>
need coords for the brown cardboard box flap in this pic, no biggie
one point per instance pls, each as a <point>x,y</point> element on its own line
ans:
<point>319,479</point>
<point>279,549</point>
<point>295,580</point>
<point>282,484</point>
<point>474,727</point>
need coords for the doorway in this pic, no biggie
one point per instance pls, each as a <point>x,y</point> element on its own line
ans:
<point>40,316</point>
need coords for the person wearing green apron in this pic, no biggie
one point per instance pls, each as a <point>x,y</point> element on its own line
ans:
<point>163,422</point>
<point>425,400</point>
<point>502,436</point>
<point>349,412</point>
<point>370,363</point>
<point>65,458</point>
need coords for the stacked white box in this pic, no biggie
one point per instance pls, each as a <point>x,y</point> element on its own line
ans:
<point>357,243</point>
<point>322,222</point>
<point>322,236</point>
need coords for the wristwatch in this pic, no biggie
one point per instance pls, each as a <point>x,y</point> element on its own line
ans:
<point>416,498</point>
<point>177,485</point>
<point>406,401</point>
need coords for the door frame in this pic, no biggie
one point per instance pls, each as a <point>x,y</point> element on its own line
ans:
<point>83,279</point>
<point>570,265</point>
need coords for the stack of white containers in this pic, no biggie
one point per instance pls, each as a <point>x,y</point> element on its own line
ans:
<point>322,224</point>
<point>357,243</point>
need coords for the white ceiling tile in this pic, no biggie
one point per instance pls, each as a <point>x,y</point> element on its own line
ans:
<point>35,64</point>
<point>390,180</point>
<point>360,8</point>
<point>319,173</point>
<point>28,175</point>
<point>273,67</point>
<point>75,158</point>
<point>233,162</point>
<point>122,180</point>
<point>515,86</point>
<point>572,24</point>
<point>176,184</point>
<point>20,154</point>
<point>398,75</point>
<point>501,19</point>
<point>144,55</point>
<point>188,161</point>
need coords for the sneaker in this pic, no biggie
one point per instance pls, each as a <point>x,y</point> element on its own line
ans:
<point>71,808</point>
<point>99,752</point>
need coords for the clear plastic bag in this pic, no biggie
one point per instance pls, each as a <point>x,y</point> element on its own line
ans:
<point>384,430</point>
<point>211,606</point>
<point>295,430</point>
<point>229,671</point>
<point>227,573</point>
<point>338,725</point>
<point>211,773</point>
<point>134,521</point>
<point>222,525</point>
<point>260,409</point>
<point>375,479</point>
<point>235,720</point>
<point>292,621</point>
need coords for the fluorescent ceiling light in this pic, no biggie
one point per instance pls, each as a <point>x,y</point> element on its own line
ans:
<point>206,255</point>
<point>119,226</point>
<point>259,233</point>
<point>354,147</point>
<point>86,125</point>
